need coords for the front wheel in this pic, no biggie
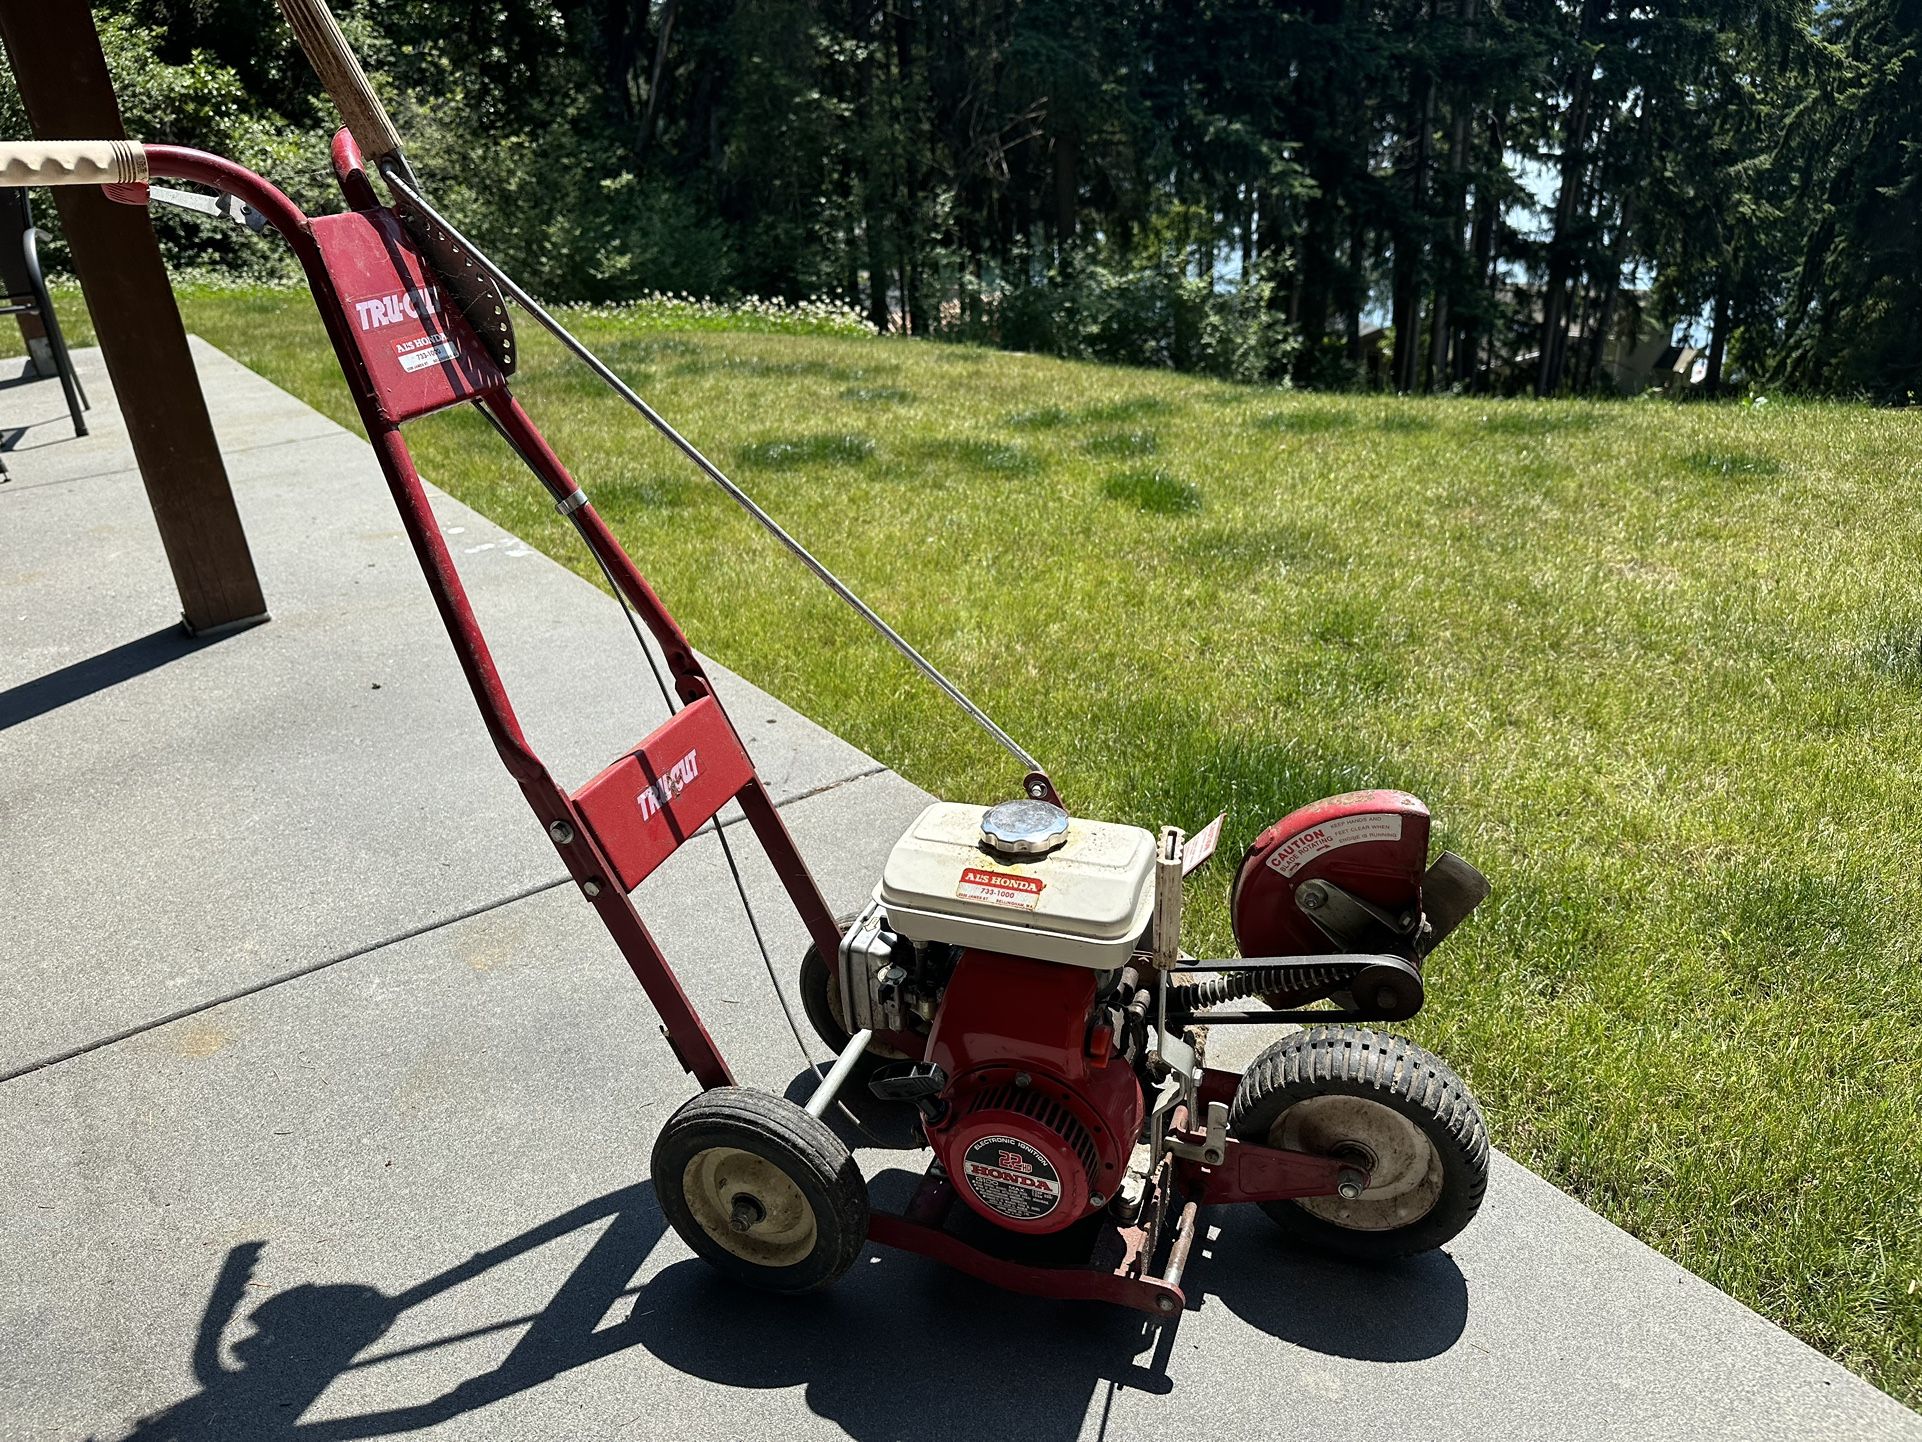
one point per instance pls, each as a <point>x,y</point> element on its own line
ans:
<point>1393,1108</point>
<point>762,1191</point>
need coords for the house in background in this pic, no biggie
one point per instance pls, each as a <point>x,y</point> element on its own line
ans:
<point>1656,363</point>
<point>1638,355</point>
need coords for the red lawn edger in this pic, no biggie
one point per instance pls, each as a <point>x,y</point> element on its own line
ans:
<point>1017,977</point>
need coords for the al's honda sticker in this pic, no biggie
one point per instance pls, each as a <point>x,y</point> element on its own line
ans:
<point>1297,851</point>
<point>1012,1178</point>
<point>1000,888</point>
<point>426,350</point>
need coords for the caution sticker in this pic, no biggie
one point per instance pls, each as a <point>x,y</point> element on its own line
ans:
<point>1000,888</point>
<point>1012,1178</point>
<point>1297,851</point>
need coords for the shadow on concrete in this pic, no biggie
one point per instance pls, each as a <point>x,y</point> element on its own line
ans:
<point>858,1117</point>
<point>1406,1311</point>
<point>1325,1304</point>
<point>871,1351</point>
<point>96,673</point>
<point>11,437</point>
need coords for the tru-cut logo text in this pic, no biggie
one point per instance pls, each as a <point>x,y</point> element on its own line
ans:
<point>657,794</point>
<point>400,305</point>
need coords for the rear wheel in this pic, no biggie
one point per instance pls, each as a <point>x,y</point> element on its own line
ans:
<point>821,1000</point>
<point>1394,1109</point>
<point>762,1191</point>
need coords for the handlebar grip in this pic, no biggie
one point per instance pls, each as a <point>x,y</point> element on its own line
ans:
<point>72,162</point>
<point>326,48</point>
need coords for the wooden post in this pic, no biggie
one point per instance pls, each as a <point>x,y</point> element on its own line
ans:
<point>55,55</point>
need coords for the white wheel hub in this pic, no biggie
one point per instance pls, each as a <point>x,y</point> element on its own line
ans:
<point>1405,1170</point>
<point>750,1206</point>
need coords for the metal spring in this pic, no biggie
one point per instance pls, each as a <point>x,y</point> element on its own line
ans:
<point>1193,995</point>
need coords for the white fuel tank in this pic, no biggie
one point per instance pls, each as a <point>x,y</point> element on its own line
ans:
<point>1083,903</point>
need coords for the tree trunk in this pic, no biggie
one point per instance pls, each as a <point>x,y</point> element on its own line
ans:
<point>1438,339</point>
<point>1357,292</point>
<point>654,81</point>
<point>1067,189</point>
<point>1472,364</point>
<point>1405,315</point>
<point>908,202</point>
<point>1561,254</point>
<point>1247,235</point>
<point>876,228</point>
<point>850,264</point>
<point>871,159</point>
<point>1611,292</point>
<point>1448,266</point>
<point>619,39</point>
<point>1718,339</point>
<point>912,319</point>
<point>1481,250</point>
<point>1408,243</point>
<point>920,323</point>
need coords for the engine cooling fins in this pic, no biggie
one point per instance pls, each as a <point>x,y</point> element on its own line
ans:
<point>1361,988</point>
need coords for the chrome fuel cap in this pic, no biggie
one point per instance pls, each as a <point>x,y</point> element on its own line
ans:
<point>1024,827</point>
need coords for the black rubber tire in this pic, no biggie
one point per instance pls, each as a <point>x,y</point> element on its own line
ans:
<point>802,1149</point>
<point>1391,1072</point>
<point>816,984</point>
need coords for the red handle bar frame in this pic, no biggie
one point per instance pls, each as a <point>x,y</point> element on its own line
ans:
<point>605,849</point>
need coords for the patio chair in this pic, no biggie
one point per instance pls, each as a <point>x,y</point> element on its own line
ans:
<point>26,294</point>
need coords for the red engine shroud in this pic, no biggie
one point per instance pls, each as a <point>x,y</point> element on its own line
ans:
<point>1372,844</point>
<point>1036,1126</point>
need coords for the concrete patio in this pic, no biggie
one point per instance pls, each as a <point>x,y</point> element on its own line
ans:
<point>325,1107</point>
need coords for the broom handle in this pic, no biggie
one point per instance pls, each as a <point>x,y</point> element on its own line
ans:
<point>72,162</point>
<point>319,35</point>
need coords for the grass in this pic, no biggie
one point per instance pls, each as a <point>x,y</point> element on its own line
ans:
<point>1658,671</point>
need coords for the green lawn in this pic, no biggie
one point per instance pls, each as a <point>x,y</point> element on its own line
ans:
<point>1656,670</point>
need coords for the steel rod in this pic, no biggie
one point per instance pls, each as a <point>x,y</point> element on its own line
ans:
<point>830,1087</point>
<point>1184,1243</point>
<point>713,472</point>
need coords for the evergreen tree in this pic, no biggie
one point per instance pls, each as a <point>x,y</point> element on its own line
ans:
<point>1242,186</point>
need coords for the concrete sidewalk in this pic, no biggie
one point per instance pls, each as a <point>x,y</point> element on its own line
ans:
<point>326,1108</point>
